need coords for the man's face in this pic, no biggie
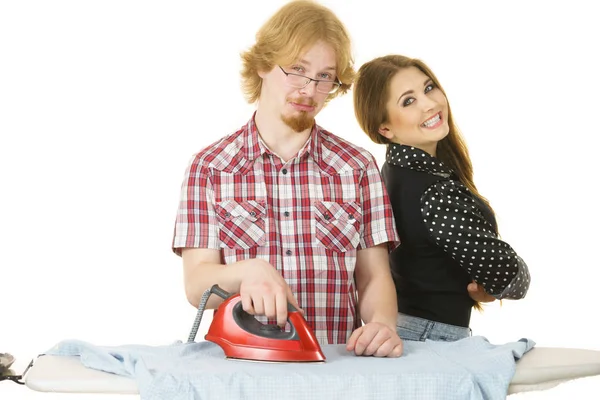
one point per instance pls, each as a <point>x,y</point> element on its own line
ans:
<point>298,107</point>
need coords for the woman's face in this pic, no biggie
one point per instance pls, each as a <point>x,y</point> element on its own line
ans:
<point>417,111</point>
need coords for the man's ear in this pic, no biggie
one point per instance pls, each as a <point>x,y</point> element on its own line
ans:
<point>385,132</point>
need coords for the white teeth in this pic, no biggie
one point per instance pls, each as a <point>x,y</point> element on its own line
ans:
<point>432,121</point>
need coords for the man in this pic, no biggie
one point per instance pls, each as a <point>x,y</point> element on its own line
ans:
<point>283,210</point>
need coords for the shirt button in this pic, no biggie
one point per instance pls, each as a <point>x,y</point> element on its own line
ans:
<point>327,217</point>
<point>288,252</point>
<point>350,216</point>
<point>284,171</point>
<point>252,214</point>
<point>287,213</point>
<point>227,214</point>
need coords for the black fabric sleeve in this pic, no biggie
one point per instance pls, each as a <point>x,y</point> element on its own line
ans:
<point>456,224</point>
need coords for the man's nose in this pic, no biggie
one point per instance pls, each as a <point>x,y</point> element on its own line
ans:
<point>310,89</point>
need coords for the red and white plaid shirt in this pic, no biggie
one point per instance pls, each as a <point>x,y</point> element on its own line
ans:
<point>307,217</point>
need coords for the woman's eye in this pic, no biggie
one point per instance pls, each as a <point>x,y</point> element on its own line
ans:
<point>429,87</point>
<point>408,101</point>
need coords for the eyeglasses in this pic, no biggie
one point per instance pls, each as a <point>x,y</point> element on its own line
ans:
<point>299,81</point>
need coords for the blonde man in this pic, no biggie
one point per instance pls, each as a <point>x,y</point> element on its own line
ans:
<point>283,210</point>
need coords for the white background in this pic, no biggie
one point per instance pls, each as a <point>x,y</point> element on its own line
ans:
<point>102,104</point>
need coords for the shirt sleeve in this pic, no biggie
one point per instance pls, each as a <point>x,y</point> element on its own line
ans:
<point>196,223</point>
<point>378,225</point>
<point>456,224</point>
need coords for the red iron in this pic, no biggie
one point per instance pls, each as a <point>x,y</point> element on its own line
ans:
<point>241,336</point>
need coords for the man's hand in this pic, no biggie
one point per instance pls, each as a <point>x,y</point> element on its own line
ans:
<point>375,339</point>
<point>264,291</point>
<point>477,293</point>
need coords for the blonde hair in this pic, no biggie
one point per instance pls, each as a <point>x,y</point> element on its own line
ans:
<point>371,93</point>
<point>287,35</point>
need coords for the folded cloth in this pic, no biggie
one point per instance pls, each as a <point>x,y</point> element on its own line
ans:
<point>468,369</point>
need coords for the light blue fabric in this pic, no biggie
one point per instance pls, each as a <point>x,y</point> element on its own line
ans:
<point>467,369</point>
<point>409,327</point>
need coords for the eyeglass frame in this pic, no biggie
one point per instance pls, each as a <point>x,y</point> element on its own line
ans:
<point>336,82</point>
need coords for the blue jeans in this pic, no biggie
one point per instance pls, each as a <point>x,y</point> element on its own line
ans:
<point>419,329</point>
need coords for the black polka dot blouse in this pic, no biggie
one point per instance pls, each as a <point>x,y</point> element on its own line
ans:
<point>448,240</point>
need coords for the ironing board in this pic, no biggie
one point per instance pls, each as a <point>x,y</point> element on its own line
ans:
<point>540,369</point>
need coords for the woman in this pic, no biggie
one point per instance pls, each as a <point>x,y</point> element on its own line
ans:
<point>450,257</point>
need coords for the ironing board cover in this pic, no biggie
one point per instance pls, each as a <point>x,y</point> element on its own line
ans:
<point>470,369</point>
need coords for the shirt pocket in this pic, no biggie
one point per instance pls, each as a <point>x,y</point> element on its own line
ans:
<point>241,223</point>
<point>338,225</point>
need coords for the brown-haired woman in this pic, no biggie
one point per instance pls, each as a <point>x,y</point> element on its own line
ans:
<point>450,258</point>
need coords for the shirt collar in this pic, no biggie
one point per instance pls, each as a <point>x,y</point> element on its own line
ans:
<point>416,159</point>
<point>256,147</point>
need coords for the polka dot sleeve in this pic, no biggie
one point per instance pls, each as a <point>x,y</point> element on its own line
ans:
<point>456,224</point>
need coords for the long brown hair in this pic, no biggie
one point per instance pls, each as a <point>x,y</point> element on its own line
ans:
<point>371,94</point>
<point>290,31</point>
